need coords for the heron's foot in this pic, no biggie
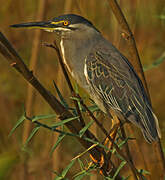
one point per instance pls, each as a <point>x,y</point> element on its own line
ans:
<point>112,136</point>
<point>100,162</point>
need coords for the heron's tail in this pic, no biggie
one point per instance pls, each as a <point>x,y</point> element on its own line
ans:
<point>147,121</point>
<point>151,132</point>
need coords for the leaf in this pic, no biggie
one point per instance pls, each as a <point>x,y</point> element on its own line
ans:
<point>81,164</point>
<point>18,123</point>
<point>126,178</point>
<point>60,138</point>
<point>118,169</point>
<point>123,142</point>
<point>75,98</point>
<point>64,172</point>
<point>81,175</point>
<point>93,108</point>
<point>76,88</point>
<point>83,130</point>
<point>143,171</point>
<point>64,121</point>
<point>78,102</point>
<point>60,96</point>
<point>162,16</point>
<point>95,142</point>
<point>86,171</point>
<point>108,178</point>
<point>34,131</point>
<point>60,178</point>
<point>155,63</point>
<point>40,117</point>
<point>118,155</point>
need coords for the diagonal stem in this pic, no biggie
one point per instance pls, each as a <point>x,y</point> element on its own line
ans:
<point>91,114</point>
<point>67,79</point>
<point>127,35</point>
<point>16,62</point>
<point>135,60</point>
<point>74,126</point>
<point>128,160</point>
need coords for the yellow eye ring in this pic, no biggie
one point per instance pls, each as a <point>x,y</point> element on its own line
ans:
<point>66,23</point>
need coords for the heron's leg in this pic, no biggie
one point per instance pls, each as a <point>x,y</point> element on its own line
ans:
<point>110,139</point>
<point>105,162</point>
<point>114,128</point>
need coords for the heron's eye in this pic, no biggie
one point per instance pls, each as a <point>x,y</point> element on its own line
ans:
<point>65,23</point>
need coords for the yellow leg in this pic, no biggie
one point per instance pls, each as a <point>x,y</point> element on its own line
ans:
<point>112,136</point>
<point>101,162</point>
<point>114,128</point>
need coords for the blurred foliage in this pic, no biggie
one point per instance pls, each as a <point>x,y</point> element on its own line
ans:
<point>146,19</point>
<point>7,161</point>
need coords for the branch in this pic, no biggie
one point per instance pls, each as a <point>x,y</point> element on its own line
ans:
<point>103,168</point>
<point>127,35</point>
<point>67,79</point>
<point>15,61</point>
<point>32,65</point>
<point>129,159</point>
<point>74,126</point>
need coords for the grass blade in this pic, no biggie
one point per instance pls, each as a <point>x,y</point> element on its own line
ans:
<point>95,142</point>
<point>64,121</point>
<point>93,108</point>
<point>81,175</point>
<point>83,130</point>
<point>118,169</point>
<point>155,63</point>
<point>162,16</point>
<point>64,172</point>
<point>40,117</point>
<point>78,101</point>
<point>81,164</point>
<point>63,102</point>
<point>123,142</point>
<point>60,138</point>
<point>18,123</point>
<point>34,131</point>
<point>60,178</point>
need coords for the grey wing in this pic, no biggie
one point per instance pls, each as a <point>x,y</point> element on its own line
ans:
<point>113,79</point>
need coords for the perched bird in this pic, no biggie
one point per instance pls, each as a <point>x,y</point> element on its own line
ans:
<point>102,70</point>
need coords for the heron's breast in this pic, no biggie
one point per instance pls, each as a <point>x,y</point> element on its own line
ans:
<point>63,52</point>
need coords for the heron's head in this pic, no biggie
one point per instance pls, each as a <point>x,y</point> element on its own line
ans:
<point>65,25</point>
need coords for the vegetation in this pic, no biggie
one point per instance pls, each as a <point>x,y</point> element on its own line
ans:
<point>51,152</point>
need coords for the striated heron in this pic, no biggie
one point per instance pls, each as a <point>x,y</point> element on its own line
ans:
<point>102,70</point>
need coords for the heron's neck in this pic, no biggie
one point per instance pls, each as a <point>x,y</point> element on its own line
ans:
<point>75,49</point>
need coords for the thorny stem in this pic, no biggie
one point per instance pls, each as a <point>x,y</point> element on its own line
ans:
<point>16,62</point>
<point>129,160</point>
<point>128,36</point>
<point>74,126</point>
<point>67,79</point>
<point>135,60</point>
<point>105,132</point>
<point>12,56</point>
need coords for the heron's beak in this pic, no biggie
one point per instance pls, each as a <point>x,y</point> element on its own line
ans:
<point>47,26</point>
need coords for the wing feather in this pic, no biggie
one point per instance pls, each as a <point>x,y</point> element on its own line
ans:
<point>114,80</point>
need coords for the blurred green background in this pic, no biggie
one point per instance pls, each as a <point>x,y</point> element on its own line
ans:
<point>147,22</point>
